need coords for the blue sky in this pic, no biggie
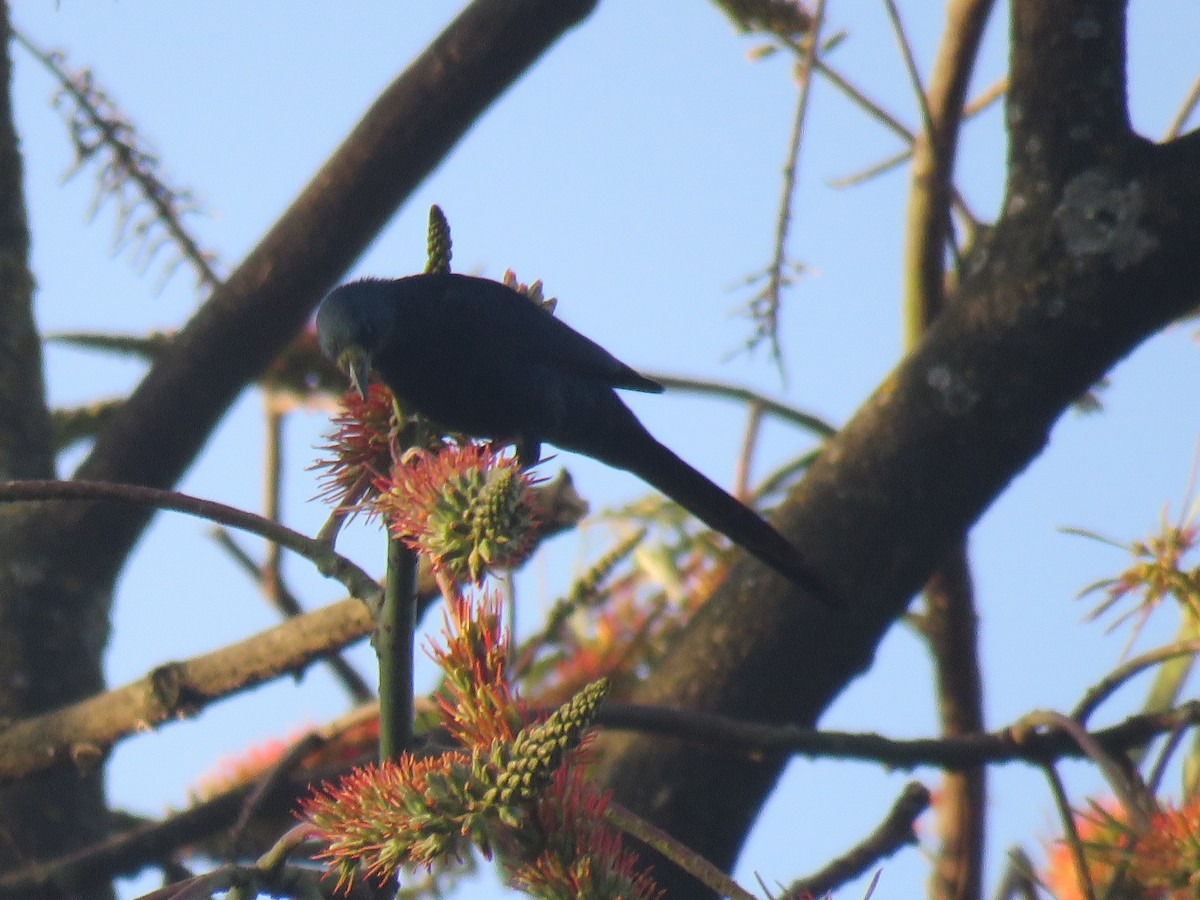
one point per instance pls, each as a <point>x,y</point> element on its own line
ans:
<point>636,171</point>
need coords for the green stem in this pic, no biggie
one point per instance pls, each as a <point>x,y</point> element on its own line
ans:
<point>394,641</point>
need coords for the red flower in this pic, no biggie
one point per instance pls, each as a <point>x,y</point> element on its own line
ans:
<point>466,507</point>
<point>1167,858</point>
<point>360,447</point>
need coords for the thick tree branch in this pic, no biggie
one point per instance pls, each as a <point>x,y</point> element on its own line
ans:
<point>70,554</point>
<point>1075,275</point>
<point>82,733</point>
<point>25,431</point>
<point>249,320</point>
<point>48,652</point>
<point>1066,104</point>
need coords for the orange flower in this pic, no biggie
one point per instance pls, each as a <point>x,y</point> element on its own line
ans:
<point>243,769</point>
<point>1167,858</point>
<point>1105,838</point>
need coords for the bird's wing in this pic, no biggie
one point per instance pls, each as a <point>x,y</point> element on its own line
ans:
<point>497,313</point>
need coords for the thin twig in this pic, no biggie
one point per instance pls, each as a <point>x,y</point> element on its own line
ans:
<point>910,64</point>
<point>777,408</point>
<point>1018,879</point>
<point>167,204</point>
<point>986,98</point>
<point>766,306</point>
<point>1111,682</point>
<point>894,832</point>
<point>865,103</point>
<point>1016,743</point>
<point>1131,795</point>
<point>684,857</point>
<point>930,227</point>
<point>741,472</point>
<point>272,578</point>
<point>982,102</point>
<point>286,603</point>
<point>1070,832</point>
<point>1186,108</point>
<point>328,562</point>
<point>269,783</point>
<point>885,165</point>
<point>1159,769</point>
<point>783,476</point>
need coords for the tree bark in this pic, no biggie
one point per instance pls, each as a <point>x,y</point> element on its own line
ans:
<point>59,561</point>
<point>1094,252</point>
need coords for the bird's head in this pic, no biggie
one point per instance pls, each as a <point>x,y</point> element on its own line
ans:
<point>353,322</point>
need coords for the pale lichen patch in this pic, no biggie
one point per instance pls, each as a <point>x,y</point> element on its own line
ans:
<point>1100,216</point>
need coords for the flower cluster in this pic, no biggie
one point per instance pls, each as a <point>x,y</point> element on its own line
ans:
<point>1161,862</point>
<point>533,291</point>
<point>362,445</point>
<point>617,621</point>
<point>1158,572</point>
<point>515,790</point>
<point>466,507</point>
<point>1167,861</point>
<point>581,856</point>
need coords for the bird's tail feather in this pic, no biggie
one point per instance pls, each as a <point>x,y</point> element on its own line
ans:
<point>659,466</point>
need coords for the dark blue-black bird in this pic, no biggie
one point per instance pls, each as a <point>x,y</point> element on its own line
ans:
<point>480,359</point>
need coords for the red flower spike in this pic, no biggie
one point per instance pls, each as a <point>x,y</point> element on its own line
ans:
<point>406,812</point>
<point>478,704</point>
<point>360,447</point>
<point>582,855</point>
<point>518,791</point>
<point>467,508</point>
<point>1166,859</point>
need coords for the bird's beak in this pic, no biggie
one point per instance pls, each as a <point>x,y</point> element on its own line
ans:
<point>356,365</point>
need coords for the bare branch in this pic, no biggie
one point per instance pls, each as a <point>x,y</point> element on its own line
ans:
<point>319,553</point>
<point>98,127</point>
<point>84,732</point>
<point>928,229</point>
<point>764,307</point>
<point>256,313</point>
<point>897,830</point>
<point>951,628</point>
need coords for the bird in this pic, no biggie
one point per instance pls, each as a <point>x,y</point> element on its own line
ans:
<point>479,358</point>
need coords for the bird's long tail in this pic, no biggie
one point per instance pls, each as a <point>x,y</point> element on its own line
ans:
<point>659,466</point>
